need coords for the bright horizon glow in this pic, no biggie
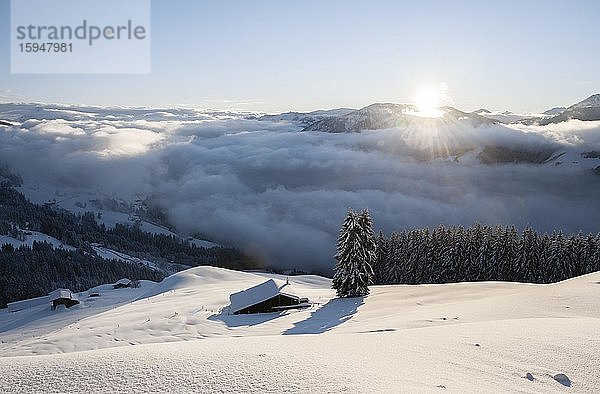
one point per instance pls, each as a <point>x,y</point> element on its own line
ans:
<point>428,102</point>
<point>273,56</point>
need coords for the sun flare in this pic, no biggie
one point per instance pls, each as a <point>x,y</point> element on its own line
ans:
<point>428,101</point>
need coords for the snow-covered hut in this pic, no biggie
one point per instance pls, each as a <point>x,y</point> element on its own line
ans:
<point>265,297</point>
<point>122,283</point>
<point>63,297</point>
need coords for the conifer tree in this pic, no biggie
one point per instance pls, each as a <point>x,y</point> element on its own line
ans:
<point>594,262</point>
<point>528,258</point>
<point>394,266</point>
<point>382,258</point>
<point>356,253</point>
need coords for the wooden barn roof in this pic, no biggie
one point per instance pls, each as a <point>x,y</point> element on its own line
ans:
<point>258,294</point>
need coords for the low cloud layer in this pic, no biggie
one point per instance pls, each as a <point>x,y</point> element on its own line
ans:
<point>281,194</point>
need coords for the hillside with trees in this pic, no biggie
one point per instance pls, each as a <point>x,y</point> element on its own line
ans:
<point>33,271</point>
<point>28,272</point>
<point>456,254</point>
<point>483,253</point>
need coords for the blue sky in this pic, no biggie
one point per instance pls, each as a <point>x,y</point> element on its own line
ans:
<point>303,55</point>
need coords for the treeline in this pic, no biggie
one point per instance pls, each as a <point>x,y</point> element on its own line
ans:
<point>17,213</point>
<point>482,253</point>
<point>28,272</point>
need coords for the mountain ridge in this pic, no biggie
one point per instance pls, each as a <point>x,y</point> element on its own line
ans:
<point>379,116</point>
<point>584,110</point>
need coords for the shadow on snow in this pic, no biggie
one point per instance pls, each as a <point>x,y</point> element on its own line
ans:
<point>330,315</point>
<point>244,320</point>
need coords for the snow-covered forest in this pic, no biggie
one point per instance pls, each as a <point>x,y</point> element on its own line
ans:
<point>28,272</point>
<point>35,269</point>
<point>483,253</point>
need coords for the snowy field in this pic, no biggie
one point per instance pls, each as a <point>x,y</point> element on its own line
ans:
<point>174,337</point>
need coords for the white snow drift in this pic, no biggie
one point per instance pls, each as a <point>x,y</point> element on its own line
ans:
<point>466,337</point>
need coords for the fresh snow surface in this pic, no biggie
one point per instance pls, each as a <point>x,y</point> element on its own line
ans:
<point>173,337</point>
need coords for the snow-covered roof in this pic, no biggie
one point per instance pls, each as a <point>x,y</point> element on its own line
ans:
<point>257,294</point>
<point>29,303</point>
<point>123,281</point>
<point>62,293</point>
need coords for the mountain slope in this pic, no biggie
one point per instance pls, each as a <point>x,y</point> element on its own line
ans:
<point>508,117</point>
<point>586,110</point>
<point>455,136</point>
<point>591,102</point>
<point>386,115</point>
<point>305,118</point>
<point>78,251</point>
<point>421,338</point>
<point>555,111</point>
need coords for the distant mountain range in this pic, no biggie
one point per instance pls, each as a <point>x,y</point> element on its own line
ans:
<point>508,117</point>
<point>455,134</point>
<point>586,110</point>
<point>388,115</point>
<point>450,134</point>
<point>306,118</point>
<point>554,111</point>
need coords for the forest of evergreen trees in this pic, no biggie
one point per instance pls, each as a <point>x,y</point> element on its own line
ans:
<point>481,253</point>
<point>28,272</point>
<point>17,213</point>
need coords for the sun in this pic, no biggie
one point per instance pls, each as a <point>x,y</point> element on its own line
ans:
<point>428,101</point>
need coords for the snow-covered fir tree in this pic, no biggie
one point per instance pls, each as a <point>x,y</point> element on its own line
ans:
<point>592,248</point>
<point>356,254</point>
<point>486,258</point>
<point>379,268</point>
<point>528,258</point>
<point>393,272</point>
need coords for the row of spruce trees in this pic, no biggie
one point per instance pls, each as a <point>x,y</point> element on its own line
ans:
<point>457,254</point>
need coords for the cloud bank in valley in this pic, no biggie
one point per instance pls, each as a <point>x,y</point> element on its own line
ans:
<point>267,188</point>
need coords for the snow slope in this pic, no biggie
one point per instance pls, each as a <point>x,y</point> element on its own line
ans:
<point>110,254</point>
<point>592,101</point>
<point>29,325</point>
<point>33,236</point>
<point>585,110</point>
<point>79,202</point>
<point>466,337</point>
